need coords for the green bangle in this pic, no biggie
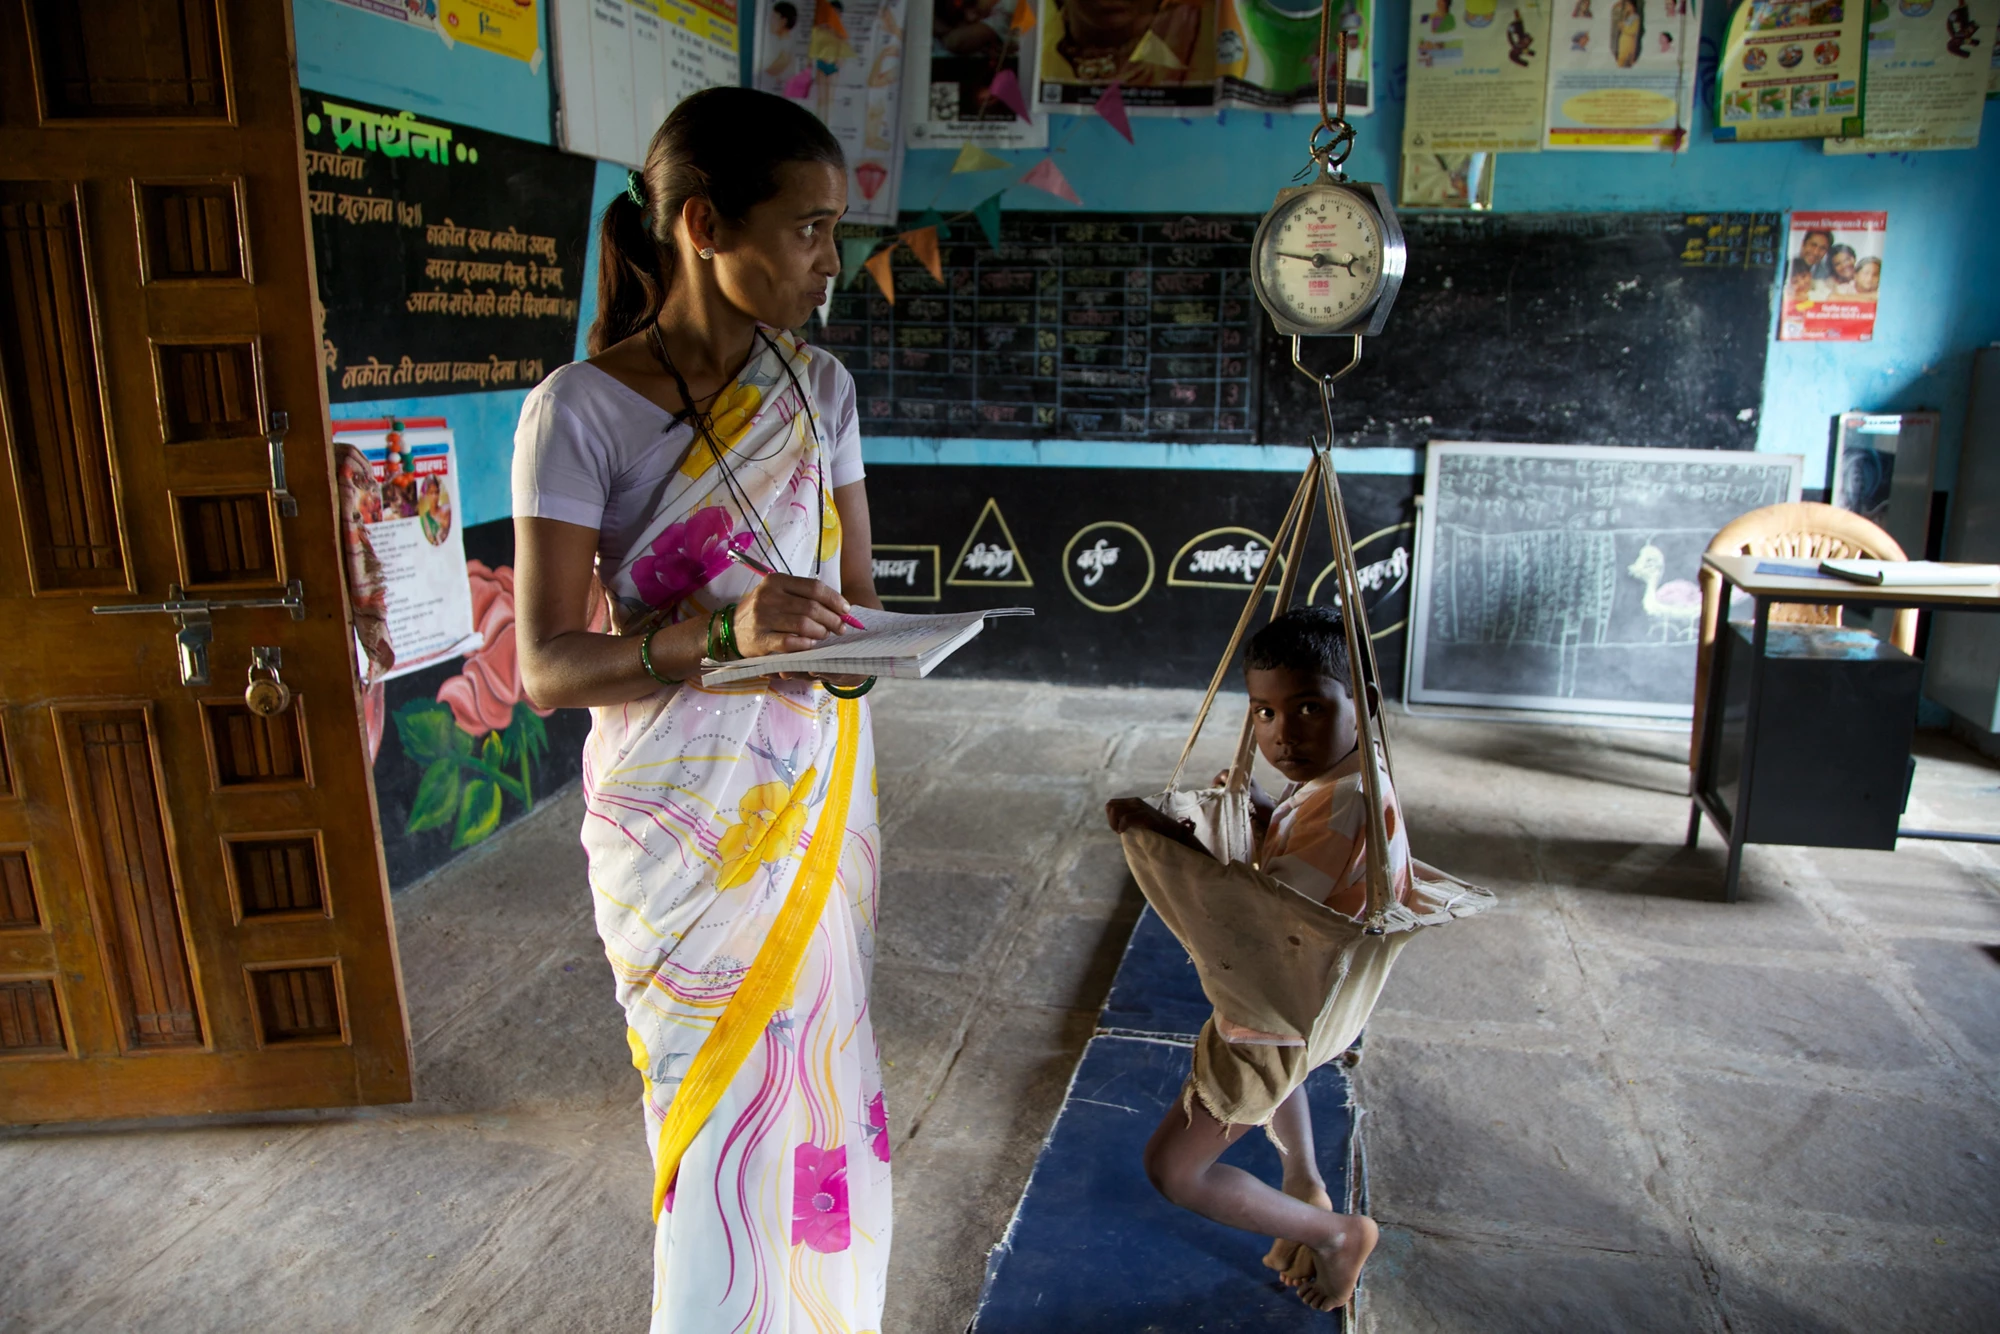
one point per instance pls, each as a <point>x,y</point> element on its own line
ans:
<point>646,657</point>
<point>713,655</point>
<point>729,632</point>
<point>849,692</point>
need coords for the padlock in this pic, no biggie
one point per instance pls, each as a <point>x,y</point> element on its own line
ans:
<point>267,696</point>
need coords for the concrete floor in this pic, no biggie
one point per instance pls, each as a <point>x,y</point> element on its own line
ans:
<point>1612,1104</point>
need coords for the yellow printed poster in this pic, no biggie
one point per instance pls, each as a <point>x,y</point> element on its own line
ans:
<point>1478,74</point>
<point>504,27</point>
<point>1792,69</point>
<point>1928,65</point>
<point>1622,74</point>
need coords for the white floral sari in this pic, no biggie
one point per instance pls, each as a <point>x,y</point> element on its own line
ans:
<point>705,811</point>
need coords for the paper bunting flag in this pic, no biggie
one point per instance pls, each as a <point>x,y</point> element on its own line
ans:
<point>800,85</point>
<point>1045,175</point>
<point>974,158</point>
<point>1024,17</point>
<point>827,15</point>
<point>1153,51</point>
<point>930,217</point>
<point>987,214</point>
<point>878,269</point>
<point>923,243</point>
<point>1111,106</point>
<point>854,252</point>
<point>1006,90</point>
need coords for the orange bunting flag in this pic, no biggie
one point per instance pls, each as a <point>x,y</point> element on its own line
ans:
<point>1024,15</point>
<point>878,269</point>
<point>826,16</point>
<point>923,243</point>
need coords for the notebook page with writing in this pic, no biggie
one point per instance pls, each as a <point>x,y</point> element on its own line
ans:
<point>893,643</point>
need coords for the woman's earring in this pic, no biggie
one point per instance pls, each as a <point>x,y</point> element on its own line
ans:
<point>706,252</point>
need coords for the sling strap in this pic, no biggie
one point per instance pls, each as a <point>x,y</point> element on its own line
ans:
<point>768,984</point>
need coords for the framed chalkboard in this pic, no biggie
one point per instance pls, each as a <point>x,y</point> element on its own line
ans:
<point>1564,576</point>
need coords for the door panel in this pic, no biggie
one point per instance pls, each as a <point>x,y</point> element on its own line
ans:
<point>193,910</point>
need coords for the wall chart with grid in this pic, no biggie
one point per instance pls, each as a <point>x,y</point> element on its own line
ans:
<point>1126,327</point>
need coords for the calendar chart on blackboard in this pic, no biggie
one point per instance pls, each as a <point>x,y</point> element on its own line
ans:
<point>1135,327</point>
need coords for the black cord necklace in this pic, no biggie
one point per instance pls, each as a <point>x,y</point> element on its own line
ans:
<point>703,426</point>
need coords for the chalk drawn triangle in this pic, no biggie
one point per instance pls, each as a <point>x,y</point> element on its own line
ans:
<point>990,557</point>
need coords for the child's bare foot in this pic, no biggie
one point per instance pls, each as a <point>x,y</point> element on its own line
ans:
<point>1292,1259</point>
<point>1337,1268</point>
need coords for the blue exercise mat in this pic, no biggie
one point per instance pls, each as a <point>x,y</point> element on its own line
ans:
<point>1093,1248</point>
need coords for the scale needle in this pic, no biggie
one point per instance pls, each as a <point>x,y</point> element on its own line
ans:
<point>1323,260</point>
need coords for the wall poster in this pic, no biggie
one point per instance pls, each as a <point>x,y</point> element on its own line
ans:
<point>409,517</point>
<point>449,259</point>
<point>1267,54</point>
<point>959,48</point>
<point>1792,69</point>
<point>1446,180</point>
<point>1927,76</point>
<point>509,28</point>
<point>1162,53</point>
<point>1622,74</point>
<point>622,65</point>
<point>1833,276</point>
<point>845,65</point>
<point>1478,77</point>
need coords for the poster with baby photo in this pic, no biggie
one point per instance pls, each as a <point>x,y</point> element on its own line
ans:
<point>1832,277</point>
<point>970,64</point>
<point>1622,75</point>
<point>405,545</point>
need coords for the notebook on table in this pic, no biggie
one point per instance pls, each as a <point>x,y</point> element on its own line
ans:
<point>1912,573</point>
<point>894,644</point>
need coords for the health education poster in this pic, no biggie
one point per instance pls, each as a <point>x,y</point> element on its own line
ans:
<point>1792,69</point>
<point>1160,52</point>
<point>622,65</point>
<point>410,520</point>
<point>959,47</point>
<point>843,63</point>
<point>1622,74</point>
<point>1927,73</point>
<point>1478,75</point>
<point>1268,59</point>
<point>1833,275</point>
<point>1446,180</point>
<point>505,27</point>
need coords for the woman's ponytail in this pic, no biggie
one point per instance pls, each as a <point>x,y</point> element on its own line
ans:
<point>724,145</point>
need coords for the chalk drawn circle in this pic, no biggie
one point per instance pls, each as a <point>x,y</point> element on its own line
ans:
<point>1312,594</point>
<point>1069,577</point>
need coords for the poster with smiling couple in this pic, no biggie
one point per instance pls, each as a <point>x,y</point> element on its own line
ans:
<point>1834,277</point>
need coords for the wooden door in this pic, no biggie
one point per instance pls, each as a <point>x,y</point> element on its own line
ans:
<point>193,910</point>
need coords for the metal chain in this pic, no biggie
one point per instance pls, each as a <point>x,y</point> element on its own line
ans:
<point>1339,141</point>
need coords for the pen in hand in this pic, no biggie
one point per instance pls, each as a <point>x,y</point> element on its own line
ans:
<point>756,566</point>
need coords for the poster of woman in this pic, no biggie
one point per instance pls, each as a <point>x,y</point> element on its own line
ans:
<point>1161,53</point>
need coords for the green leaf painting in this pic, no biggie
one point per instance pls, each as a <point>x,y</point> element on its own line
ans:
<point>467,779</point>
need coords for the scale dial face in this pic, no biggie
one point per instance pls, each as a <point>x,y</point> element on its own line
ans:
<point>1319,260</point>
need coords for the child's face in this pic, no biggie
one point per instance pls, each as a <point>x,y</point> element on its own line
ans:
<point>1304,722</point>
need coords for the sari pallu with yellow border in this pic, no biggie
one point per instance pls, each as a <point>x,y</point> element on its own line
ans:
<point>733,848</point>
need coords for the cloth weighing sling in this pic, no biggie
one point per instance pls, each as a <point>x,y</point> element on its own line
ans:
<point>1271,959</point>
<point>734,861</point>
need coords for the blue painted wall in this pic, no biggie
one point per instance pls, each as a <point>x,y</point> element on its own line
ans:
<point>1941,287</point>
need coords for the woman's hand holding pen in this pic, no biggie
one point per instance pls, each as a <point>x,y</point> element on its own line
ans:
<point>785,613</point>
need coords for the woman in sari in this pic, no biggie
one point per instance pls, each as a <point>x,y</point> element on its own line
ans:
<point>731,832</point>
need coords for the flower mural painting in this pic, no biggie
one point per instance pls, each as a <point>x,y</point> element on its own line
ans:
<point>686,555</point>
<point>819,1198</point>
<point>480,738</point>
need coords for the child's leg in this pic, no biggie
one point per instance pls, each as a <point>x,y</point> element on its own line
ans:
<point>1181,1163</point>
<point>1291,1126</point>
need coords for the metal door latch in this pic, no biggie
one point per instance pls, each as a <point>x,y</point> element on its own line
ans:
<point>288,505</point>
<point>196,632</point>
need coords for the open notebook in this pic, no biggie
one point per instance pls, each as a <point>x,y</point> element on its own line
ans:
<point>1912,573</point>
<point>896,643</point>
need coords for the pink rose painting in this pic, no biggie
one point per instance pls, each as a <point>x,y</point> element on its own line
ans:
<point>478,741</point>
<point>483,696</point>
<point>686,555</point>
<point>819,1198</point>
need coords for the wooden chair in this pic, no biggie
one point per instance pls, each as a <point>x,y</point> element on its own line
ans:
<point>1804,531</point>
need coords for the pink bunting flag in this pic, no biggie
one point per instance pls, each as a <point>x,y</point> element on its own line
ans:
<point>1006,90</point>
<point>1045,175</point>
<point>1111,106</point>
<point>800,84</point>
